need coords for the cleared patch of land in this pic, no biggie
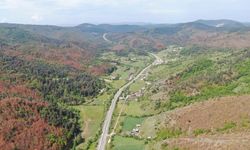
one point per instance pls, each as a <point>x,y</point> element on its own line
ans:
<point>92,116</point>
<point>221,123</point>
<point>210,114</point>
<point>130,123</point>
<point>238,141</point>
<point>124,143</point>
<point>138,85</point>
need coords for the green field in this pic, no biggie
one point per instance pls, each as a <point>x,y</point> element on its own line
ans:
<point>139,108</point>
<point>130,65</point>
<point>92,116</point>
<point>124,143</point>
<point>131,122</point>
<point>138,85</point>
<point>103,98</point>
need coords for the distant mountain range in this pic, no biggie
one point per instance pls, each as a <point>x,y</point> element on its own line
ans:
<point>222,23</point>
<point>216,33</point>
<point>247,24</point>
<point>103,28</point>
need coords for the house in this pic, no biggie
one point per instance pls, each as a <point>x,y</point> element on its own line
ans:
<point>112,77</point>
<point>135,131</point>
<point>102,90</point>
<point>138,94</point>
<point>131,77</point>
<point>121,98</point>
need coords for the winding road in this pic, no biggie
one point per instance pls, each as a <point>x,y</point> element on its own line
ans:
<point>106,124</point>
<point>105,38</point>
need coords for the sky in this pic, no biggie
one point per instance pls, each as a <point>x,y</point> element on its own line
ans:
<point>74,12</point>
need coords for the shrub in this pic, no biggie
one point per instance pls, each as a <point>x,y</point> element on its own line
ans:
<point>227,126</point>
<point>168,133</point>
<point>201,131</point>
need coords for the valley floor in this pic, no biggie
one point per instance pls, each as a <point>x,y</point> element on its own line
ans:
<point>184,102</point>
<point>153,116</point>
<point>94,111</point>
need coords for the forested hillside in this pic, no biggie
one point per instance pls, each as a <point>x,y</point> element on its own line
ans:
<point>40,76</point>
<point>32,98</point>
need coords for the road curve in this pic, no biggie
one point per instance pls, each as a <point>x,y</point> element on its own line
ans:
<point>106,124</point>
<point>105,38</point>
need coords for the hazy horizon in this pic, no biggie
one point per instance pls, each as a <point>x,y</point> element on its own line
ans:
<point>74,12</point>
<point>117,23</point>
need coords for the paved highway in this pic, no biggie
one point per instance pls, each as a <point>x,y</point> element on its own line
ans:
<point>105,38</point>
<point>106,124</point>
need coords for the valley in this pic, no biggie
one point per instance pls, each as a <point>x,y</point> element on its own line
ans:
<point>149,121</point>
<point>125,87</point>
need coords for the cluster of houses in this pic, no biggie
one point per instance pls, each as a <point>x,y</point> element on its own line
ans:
<point>115,77</point>
<point>144,76</point>
<point>135,131</point>
<point>135,95</point>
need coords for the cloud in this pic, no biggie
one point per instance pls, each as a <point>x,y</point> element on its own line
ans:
<point>104,11</point>
<point>164,11</point>
<point>36,18</point>
<point>15,4</point>
<point>64,4</point>
<point>3,20</point>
